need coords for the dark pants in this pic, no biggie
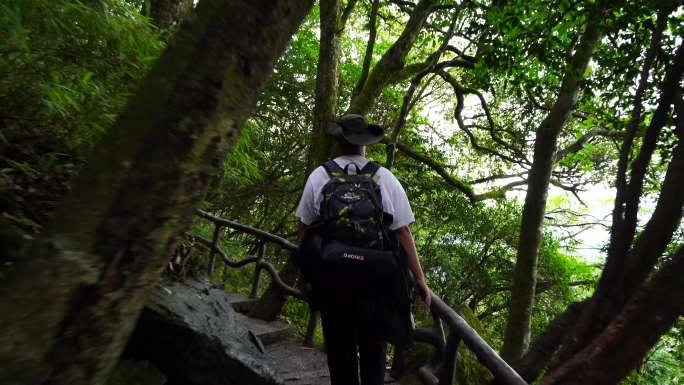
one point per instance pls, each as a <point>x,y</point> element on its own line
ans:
<point>353,349</point>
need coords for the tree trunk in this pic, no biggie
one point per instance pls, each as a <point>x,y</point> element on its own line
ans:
<point>624,273</point>
<point>622,345</point>
<point>169,13</point>
<point>619,242</point>
<point>517,334</point>
<point>533,363</point>
<point>74,297</point>
<point>329,52</point>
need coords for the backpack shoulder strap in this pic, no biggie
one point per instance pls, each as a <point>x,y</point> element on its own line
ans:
<point>370,168</point>
<point>333,169</point>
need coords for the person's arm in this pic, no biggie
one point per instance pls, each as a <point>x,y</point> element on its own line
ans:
<point>405,238</point>
<point>306,210</point>
<point>302,232</point>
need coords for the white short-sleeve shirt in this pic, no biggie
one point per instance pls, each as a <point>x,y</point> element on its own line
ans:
<point>394,199</point>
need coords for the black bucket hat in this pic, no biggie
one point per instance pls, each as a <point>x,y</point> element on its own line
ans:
<point>355,130</point>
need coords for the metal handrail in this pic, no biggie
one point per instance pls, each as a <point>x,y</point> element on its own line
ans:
<point>447,348</point>
<point>280,241</point>
<point>484,353</point>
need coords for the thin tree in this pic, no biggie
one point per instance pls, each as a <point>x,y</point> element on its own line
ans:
<point>517,332</point>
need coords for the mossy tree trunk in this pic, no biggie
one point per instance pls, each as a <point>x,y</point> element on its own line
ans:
<point>616,332</point>
<point>628,264</point>
<point>73,299</point>
<point>625,341</point>
<point>327,75</point>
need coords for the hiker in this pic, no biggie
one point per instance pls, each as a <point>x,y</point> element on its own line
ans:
<point>361,309</point>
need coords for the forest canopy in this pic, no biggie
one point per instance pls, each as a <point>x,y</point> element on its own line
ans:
<point>539,143</point>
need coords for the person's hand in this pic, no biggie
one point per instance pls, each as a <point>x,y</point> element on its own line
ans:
<point>425,294</point>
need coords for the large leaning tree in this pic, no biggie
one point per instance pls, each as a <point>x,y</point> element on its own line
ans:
<point>70,304</point>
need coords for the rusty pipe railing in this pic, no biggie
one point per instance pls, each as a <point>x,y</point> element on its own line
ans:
<point>440,371</point>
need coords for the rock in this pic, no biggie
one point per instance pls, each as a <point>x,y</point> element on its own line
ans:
<point>191,333</point>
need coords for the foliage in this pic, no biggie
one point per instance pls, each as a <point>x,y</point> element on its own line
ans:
<point>66,70</point>
<point>468,251</point>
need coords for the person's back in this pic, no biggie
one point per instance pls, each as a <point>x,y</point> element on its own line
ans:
<point>351,323</point>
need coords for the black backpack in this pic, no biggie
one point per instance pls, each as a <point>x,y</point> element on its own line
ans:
<point>356,250</point>
<point>351,209</point>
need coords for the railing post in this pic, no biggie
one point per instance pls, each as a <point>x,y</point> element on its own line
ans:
<point>438,327</point>
<point>311,327</point>
<point>446,372</point>
<point>212,251</point>
<point>257,271</point>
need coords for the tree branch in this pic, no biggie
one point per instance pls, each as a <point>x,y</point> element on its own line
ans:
<point>344,17</point>
<point>372,22</point>
<point>460,92</point>
<point>495,193</point>
<point>494,177</point>
<point>407,102</point>
<point>620,238</point>
<point>392,61</point>
<point>439,169</point>
<point>581,141</point>
<point>539,106</point>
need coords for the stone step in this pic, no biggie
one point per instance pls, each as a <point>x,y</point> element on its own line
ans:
<point>267,332</point>
<point>240,302</point>
<point>299,365</point>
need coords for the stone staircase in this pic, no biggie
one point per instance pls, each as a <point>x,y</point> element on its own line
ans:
<point>296,364</point>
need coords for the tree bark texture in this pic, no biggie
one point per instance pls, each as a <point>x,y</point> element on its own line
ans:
<point>73,299</point>
<point>517,333</point>
<point>624,273</point>
<point>329,52</point>
<point>169,13</point>
<point>392,61</point>
<point>623,344</point>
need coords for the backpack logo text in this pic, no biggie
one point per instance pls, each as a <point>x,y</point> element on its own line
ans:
<point>353,256</point>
